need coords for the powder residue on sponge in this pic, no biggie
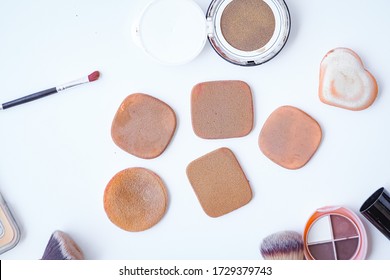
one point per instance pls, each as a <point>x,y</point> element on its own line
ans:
<point>221,109</point>
<point>143,126</point>
<point>290,137</point>
<point>135,199</point>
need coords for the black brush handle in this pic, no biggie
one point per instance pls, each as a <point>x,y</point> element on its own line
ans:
<point>29,98</point>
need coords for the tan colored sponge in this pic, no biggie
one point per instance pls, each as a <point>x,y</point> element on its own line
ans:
<point>221,109</point>
<point>143,126</point>
<point>219,182</point>
<point>290,137</point>
<point>135,199</point>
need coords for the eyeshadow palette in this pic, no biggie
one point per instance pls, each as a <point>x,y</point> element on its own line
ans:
<point>339,238</point>
<point>334,233</point>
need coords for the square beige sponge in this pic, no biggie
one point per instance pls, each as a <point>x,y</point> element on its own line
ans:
<point>221,109</point>
<point>219,182</point>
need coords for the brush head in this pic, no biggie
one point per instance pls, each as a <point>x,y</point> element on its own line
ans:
<point>283,245</point>
<point>94,76</point>
<point>62,247</point>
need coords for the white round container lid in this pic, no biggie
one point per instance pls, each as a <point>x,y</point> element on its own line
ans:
<point>172,31</point>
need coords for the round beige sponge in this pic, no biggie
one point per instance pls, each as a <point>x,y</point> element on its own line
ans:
<point>135,199</point>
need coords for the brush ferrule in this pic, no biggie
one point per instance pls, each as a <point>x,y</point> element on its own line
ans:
<point>72,84</point>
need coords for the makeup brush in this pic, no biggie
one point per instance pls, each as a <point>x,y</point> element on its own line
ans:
<point>62,247</point>
<point>283,245</point>
<point>90,78</point>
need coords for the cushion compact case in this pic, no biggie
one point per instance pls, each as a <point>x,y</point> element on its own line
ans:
<point>243,32</point>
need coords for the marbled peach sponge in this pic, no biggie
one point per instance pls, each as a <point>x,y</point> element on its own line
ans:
<point>344,82</point>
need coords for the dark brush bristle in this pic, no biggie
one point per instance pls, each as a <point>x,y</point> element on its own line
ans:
<point>284,245</point>
<point>62,247</point>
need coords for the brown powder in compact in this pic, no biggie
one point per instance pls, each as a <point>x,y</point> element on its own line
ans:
<point>247,25</point>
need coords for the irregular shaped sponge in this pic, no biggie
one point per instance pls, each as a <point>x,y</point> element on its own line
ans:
<point>344,82</point>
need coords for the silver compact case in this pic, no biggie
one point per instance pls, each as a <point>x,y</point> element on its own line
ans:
<point>243,32</point>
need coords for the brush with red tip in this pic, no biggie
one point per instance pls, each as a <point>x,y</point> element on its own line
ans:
<point>90,78</point>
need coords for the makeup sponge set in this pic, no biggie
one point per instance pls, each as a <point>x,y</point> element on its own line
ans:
<point>136,198</point>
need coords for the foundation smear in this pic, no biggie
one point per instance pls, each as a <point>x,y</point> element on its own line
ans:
<point>247,25</point>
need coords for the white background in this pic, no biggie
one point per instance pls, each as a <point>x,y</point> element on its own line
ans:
<point>57,154</point>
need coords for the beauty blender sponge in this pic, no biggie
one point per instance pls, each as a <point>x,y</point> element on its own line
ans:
<point>219,182</point>
<point>290,137</point>
<point>221,109</point>
<point>143,126</point>
<point>344,82</point>
<point>135,199</point>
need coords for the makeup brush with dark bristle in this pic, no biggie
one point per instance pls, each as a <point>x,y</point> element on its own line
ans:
<point>62,247</point>
<point>283,245</point>
<point>90,78</point>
